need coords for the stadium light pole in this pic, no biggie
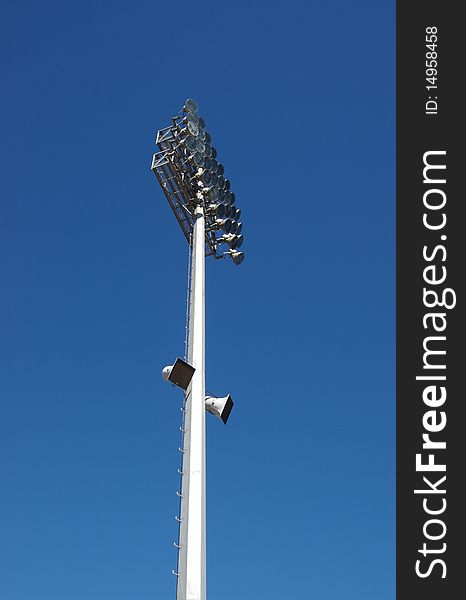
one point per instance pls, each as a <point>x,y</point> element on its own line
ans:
<point>191,571</point>
<point>193,183</point>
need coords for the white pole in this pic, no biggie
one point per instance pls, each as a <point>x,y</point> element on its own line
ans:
<point>192,539</point>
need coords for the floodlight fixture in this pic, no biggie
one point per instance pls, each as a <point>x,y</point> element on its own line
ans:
<point>190,106</point>
<point>191,118</point>
<point>235,212</point>
<point>224,224</point>
<point>205,178</point>
<point>190,143</point>
<point>236,257</point>
<point>233,240</point>
<point>219,209</point>
<point>228,225</point>
<point>194,184</point>
<point>212,193</point>
<point>214,179</point>
<point>237,242</point>
<point>233,226</point>
<point>193,128</point>
<point>221,183</point>
<point>198,159</point>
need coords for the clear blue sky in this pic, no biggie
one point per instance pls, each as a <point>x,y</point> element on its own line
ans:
<point>299,97</point>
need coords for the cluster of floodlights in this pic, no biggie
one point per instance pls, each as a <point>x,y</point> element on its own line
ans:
<point>190,175</point>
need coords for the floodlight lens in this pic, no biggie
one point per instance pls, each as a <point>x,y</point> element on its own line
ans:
<point>233,227</point>
<point>214,166</point>
<point>214,152</point>
<point>193,128</point>
<point>202,135</point>
<point>213,193</point>
<point>201,123</point>
<point>214,178</point>
<point>227,184</point>
<point>198,159</point>
<point>239,227</point>
<point>205,178</point>
<point>221,182</point>
<point>191,118</point>
<point>221,169</point>
<point>200,146</point>
<point>190,143</point>
<point>190,106</point>
<point>207,163</point>
<point>208,137</point>
<point>227,225</point>
<point>207,149</point>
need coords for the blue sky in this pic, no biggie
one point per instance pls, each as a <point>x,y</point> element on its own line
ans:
<point>299,98</point>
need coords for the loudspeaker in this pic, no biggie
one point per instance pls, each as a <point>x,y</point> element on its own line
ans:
<point>220,407</point>
<point>179,374</point>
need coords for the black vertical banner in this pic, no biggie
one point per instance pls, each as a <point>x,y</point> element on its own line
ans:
<point>431,259</point>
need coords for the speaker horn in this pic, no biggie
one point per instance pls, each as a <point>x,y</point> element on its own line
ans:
<point>180,374</point>
<point>220,407</point>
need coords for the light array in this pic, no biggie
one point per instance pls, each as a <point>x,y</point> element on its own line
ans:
<point>190,175</point>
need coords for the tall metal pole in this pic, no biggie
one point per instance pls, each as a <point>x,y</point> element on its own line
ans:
<point>192,539</point>
<point>199,195</point>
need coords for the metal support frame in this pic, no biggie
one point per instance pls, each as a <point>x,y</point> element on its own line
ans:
<point>172,170</point>
<point>191,571</point>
